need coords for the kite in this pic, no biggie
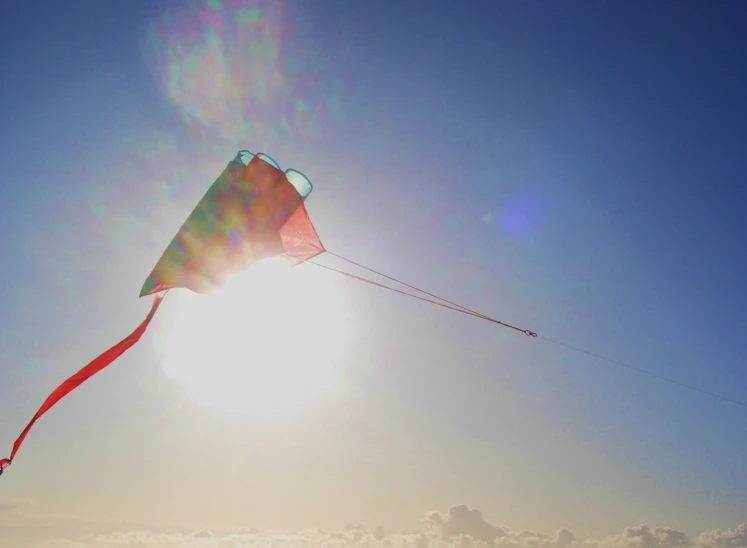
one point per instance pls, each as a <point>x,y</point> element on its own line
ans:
<point>252,211</point>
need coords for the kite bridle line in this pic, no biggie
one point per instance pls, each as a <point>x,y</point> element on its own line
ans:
<point>445,303</point>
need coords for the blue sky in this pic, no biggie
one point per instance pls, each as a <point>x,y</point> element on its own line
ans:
<point>575,168</point>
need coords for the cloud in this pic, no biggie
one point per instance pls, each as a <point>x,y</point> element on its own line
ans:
<point>461,520</point>
<point>660,537</point>
<point>459,527</point>
<point>733,537</point>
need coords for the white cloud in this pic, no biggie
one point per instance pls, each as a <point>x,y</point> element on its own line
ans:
<point>461,520</point>
<point>660,537</point>
<point>459,527</point>
<point>733,537</point>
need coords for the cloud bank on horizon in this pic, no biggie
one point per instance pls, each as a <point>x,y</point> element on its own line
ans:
<point>459,527</point>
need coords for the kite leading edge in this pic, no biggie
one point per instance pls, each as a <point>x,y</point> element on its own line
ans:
<point>252,211</point>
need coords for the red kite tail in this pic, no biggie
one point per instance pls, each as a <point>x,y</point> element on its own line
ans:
<point>84,374</point>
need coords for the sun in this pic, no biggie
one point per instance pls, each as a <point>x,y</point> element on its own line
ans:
<point>267,343</point>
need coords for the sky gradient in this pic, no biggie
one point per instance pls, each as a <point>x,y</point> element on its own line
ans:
<point>576,168</point>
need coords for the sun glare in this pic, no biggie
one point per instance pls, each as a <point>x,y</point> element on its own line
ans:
<point>267,343</point>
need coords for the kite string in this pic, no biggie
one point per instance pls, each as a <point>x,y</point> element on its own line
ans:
<point>388,288</point>
<point>464,310</point>
<point>445,302</point>
<point>644,371</point>
<point>371,270</point>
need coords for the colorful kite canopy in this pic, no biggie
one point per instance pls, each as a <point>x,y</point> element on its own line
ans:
<point>252,211</point>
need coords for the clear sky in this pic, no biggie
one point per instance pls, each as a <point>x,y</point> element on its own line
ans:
<point>577,168</point>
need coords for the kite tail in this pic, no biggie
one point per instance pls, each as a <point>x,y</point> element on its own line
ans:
<point>84,374</point>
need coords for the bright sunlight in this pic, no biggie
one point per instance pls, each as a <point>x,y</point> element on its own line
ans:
<point>266,344</point>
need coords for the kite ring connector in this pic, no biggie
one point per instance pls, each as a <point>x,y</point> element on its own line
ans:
<point>529,333</point>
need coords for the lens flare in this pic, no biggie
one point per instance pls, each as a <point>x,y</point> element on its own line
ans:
<point>245,68</point>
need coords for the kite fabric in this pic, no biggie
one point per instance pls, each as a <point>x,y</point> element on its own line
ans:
<point>252,211</point>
